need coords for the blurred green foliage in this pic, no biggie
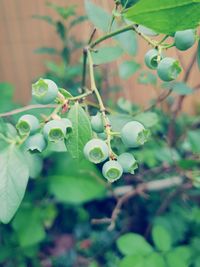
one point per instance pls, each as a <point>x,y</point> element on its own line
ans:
<point>53,225</point>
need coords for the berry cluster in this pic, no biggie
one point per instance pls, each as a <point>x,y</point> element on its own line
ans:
<point>133,134</point>
<point>56,128</point>
<point>169,68</point>
<point>37,134</point>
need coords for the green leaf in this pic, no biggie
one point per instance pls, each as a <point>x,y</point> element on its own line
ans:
<point>127,69</point>
<point>61,30</point>
<point>198,55</point>
<point>48,19</point>
<point>34,163</point>
<point>149,119</point>
<point>28,226</point>
<point>76,189</point>
<point>119,120</point>
<point>100,18</point>
<point>64,12</point>
<point>167,155</point>
<point>124,105</point>
<point>133,261</point>
<point>6,99</point>
<point>155,260</point>
<point>174,259</point>
<point>133,244</point>
<point>107,54</point>
<point>81,131</point>
<point>147,77</point>
<point>165,16</point>
<point>182,88</point>
<point>194,140</point>
<point>13,181</point>
<point>128,41</point>
<point>161,238</point>
<point>46,50</point>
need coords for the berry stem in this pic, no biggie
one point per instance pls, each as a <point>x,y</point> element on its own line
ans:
<point>40,106</point>
<point>101,105</point>
<point>131,27</point>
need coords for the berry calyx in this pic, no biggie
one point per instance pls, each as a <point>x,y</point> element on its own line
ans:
<point>128,162</point>
<point>134,134</point>
<point>151,59</point>
<point>44,91</point>
<point>56,130</point>
<point>27,124</point>
<point>97,123</point>
<point>36,143</point>
<point>184,39</point>
<point>96,150</point>
<point>112,170</point>
<point>168,69</point>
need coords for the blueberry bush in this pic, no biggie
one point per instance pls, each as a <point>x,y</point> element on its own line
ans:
<point>86,181</point>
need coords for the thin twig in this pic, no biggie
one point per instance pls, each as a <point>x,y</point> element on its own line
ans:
<point>26,108</point>
<point>128,192</point>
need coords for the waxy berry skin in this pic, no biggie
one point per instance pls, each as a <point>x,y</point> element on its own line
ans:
<point>151,59</point>
<point>184,39</point>
<point>97,123</point>
<point>27,124</point>
<point>112,170</point>
<point>36,143</point>
<point>128,162</point>
<point>168,69</point>
<point>55,130</point>
<point>44,91</point>
<point>96,150</point>
<point>134,134</point>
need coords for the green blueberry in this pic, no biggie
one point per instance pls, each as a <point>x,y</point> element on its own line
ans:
<point>151,58</point>
<point>35,143</point>
<point>27,124</point>
<point>168,69</point>
<point>68,124</point>
<point>112,170</point>
<point>184,39</point>
<point>44,91</point>
<point>128,162</point>
<point>102,136</point>
<point>133,134</point>
<point>96,150</point>
<point>55,130</point>
<point>97,123</point>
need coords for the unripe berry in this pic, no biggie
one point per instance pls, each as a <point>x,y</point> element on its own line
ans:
<point>128,162</point>
<point>97,123</point>
<point>68,124</point>
<point>102,136</point>
<point>168,69</point>
<point>133,134</point>
<point>112,170</point>
<point>96,150</point>
<point>151,59</point>
<point>56,130</point>
<point>184,39</point>
<point>44,91</point>
<point>27,124</point>
<point>35,143</point>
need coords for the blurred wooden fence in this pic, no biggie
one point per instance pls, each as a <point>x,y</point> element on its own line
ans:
<point>20,35</point>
